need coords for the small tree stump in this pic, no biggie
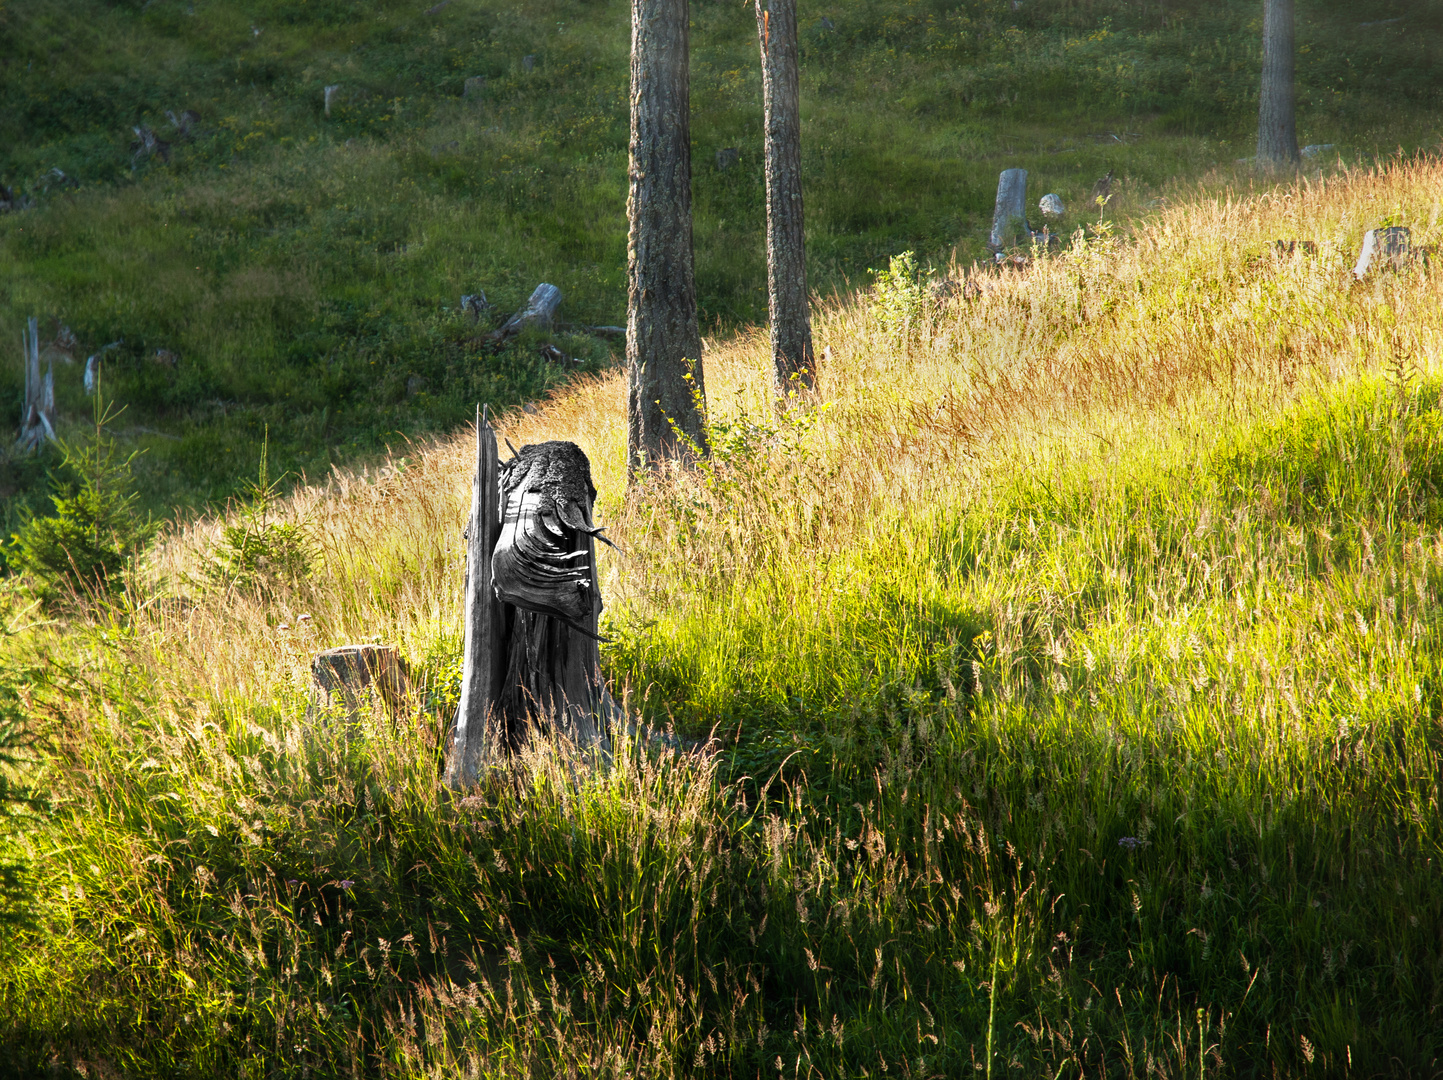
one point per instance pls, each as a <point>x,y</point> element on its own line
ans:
<point>1009,216</point>
<point>540,311</point>
<point>343,675</point>
<point>1383,246</point>
<point>1295,247</point>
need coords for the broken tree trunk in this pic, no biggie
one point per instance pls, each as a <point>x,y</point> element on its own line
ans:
<point>532,664</point>
<point>540,311</point>
<point>483,657</point>
<point>1383,247</point>
<point>37,419</point>
<point>1009,216</point>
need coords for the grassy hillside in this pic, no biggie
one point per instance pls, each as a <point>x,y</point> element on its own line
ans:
<point>1074,660</point>
<point>306,269</point>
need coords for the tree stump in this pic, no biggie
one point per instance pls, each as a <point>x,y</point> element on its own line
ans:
<point>532,665</point>
<point>37,418</point>
<point>1388,247</point>
<point>540,311</point>
<point>1009,215</point>
<point>1285,248</point>
<point>342,677</point>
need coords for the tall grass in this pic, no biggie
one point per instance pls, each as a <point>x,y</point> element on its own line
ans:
<point>1072,659</point>
<point>306,268</point>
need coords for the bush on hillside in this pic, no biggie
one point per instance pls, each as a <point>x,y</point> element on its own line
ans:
<point>256,551</point>
<point>85,545</point>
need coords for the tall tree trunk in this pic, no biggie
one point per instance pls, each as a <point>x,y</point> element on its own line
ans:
<point>1277,126</point>
<point>786,259</point>
<point>662,337</point>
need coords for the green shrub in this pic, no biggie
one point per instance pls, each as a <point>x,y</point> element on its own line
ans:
<point>255,550</point>
<point>85,545</point>
<point>899,295</point>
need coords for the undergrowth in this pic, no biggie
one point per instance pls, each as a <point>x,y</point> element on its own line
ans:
<point>1073,678</point>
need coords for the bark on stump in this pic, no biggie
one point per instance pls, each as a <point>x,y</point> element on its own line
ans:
<point>791,324</point>
<point>1277,126</point>
<point>663,341</point>
<point>532,665</point>
<point>346,675</point>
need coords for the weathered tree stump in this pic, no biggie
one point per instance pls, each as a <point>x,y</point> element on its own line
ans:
<point>37,418</point>
<point>531,665</point>
<point>344,676</point>
<point>1009,216</point>
<point>540,311</point>
<point>1383,247</point>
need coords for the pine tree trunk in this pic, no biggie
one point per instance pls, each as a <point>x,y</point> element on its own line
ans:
<point>1277,127</point>
<point>786,256</point>
<point>663,342</point>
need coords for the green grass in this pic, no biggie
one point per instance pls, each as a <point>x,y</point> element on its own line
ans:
<point>1075,670</point>
<point>1092,821</point>
<point>306,270</point>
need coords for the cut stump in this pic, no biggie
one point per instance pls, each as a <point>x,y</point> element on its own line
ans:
<point>344,677</point>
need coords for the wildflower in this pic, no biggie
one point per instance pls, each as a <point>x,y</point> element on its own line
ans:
<point>1132,843</point>
<point>345,886</point>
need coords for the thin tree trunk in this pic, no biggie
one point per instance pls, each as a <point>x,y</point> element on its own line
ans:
<point>1277,125</point>
<point>792,360</point>
<point>663,342</point>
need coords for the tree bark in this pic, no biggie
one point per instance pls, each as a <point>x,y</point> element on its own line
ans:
<point>1277,126</point>
<point>663,341</point>
<point>482,665</point>
<point>792,359</point>
<point>544,566</point>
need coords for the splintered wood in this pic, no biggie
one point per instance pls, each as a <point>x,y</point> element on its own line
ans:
<point>532,665</point>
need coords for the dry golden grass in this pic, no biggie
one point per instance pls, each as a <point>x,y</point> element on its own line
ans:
<point>1187,322</point>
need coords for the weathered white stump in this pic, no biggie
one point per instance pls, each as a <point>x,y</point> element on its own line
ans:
<point>1009,216</point>
<point>37,418</point>
<point>1383,247</point>
<point>540,311</point>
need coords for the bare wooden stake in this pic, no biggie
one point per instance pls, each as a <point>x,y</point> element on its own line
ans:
<point>481,665</point>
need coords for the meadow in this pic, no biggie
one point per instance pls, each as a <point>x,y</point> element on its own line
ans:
<point>297,271</point>
<point>1070,661</point>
